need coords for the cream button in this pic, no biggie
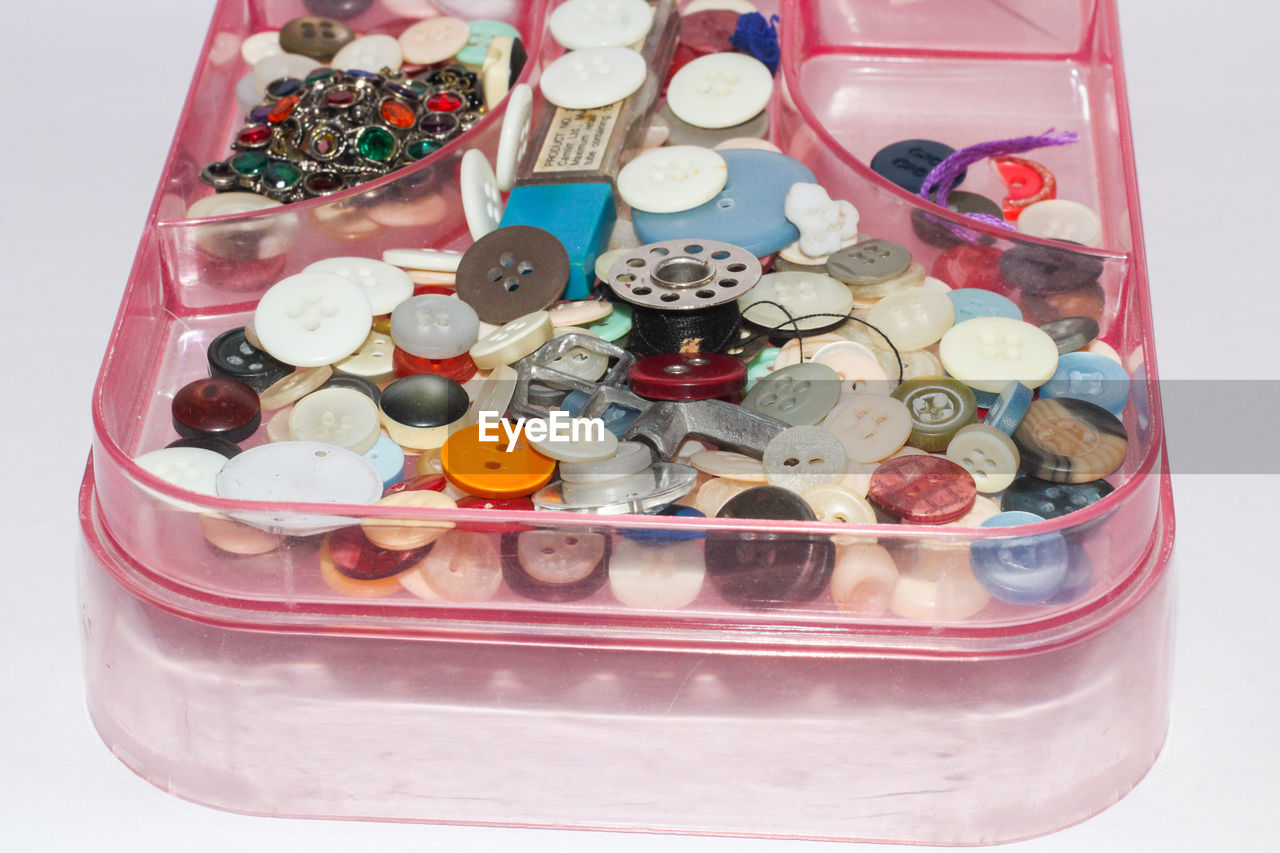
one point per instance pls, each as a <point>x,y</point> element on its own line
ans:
<point>342,417</point>
<point>720,90</point>
<point>663,577</point>
<point>863,580</point>
<point>405,534</point>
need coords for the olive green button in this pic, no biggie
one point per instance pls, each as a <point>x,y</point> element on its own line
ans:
<point>314,36</point>
<point>939,407</point>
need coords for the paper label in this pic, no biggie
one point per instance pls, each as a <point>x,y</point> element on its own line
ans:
<point>578,140</point>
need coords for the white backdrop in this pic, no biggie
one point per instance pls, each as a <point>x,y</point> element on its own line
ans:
<point>93,93</point>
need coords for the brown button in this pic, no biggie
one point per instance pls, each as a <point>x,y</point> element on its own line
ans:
<point>314,36</point>
<point>511,272</point>
<point>922,489</point>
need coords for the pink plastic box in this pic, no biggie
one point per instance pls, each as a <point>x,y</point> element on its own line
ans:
<point>248,683</point>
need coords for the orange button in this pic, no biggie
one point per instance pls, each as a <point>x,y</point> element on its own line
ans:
<point>487,470</point>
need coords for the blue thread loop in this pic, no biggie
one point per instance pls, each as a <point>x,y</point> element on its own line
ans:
<point>759,37</point>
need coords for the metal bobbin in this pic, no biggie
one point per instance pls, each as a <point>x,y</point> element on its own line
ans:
<point>684,275</point>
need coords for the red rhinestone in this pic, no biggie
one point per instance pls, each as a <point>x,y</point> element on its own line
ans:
<point>254,134</point>
<point>340,97</point>
<point>283,109</point>
<point>444,102</point>
<point>397,114</point>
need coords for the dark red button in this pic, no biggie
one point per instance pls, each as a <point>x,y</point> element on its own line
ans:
<point>709,31</point>
<point>356,557</point>
<point>972,266</point>
<point>423,483</point>
<point>922,489</point>
<point>218,406</point>
<point>688,376</point>
<point>459,369</point>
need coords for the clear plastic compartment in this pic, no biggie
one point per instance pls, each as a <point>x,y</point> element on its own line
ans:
<point>938,730</point>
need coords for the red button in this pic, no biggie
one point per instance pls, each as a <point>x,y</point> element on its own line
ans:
<point>922,489</point>
<point>972,266</point>
<point>226,408</point>
<point>356,557</point>
<point>459,369</point>
<point>425,482</point>
<point>688,376</point>
<point>1028,183</point>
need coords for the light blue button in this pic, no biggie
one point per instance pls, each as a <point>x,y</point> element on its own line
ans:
<point>1090,377</point>
<point>973,302</point>
<point>614,327</point>
<point>1009,408</point>
<point>581,216</point>
<point>388,458</point>
<point>482,32</point>
<point>762,365</point>
<point>1025,570</point>
<point>617,419</point>
<point>748,212</point>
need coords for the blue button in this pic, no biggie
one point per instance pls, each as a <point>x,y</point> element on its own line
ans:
<point>660,537</point>
<point>388,458</point>
<point>1025,570</point>
<point>617,419</point>
<point>1009,408</point>
<point>973,302</point>
<point>1079,575</point>
<point>748,212</point>
<point>908,162</point>
<point>1090,377</point>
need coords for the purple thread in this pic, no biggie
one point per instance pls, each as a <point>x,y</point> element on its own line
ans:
<point>758,37</point>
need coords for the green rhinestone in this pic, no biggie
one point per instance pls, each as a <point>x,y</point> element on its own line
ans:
<point>279,175</point>
<point>249,162</point>
<point>320,74</point>
<point>376,144</point>
<point>420,148</point>
<point>418,86</point>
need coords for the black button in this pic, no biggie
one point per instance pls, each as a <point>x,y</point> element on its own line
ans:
<point>233,357</point>
<point>356,383</point>
<point>424,401</point>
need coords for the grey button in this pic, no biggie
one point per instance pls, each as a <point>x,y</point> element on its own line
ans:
<point>511,272</point>
<point>781,264</point>
<point>683,133</point>
<point>343,9</point>
<point>800,394</point>
<point>1071,333</point>
<point>869,262</point>
<point>314,36</point>
<point>803,457</point>
<point>434,326</point>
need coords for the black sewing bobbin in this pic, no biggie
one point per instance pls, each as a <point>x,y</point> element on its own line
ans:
<point>685,294</point>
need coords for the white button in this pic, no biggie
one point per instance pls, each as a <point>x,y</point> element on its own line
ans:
<point>714,494</point>
<point>936,284</point>
<point>495,70</point>
<point>512,341</point>
<point>600,23</point>
<point>825,225</point>
<point>672,179</point>
<point>657,134</point>
<point>803,457</point>
<point>858,367</point>
<point>607,259</point>
<point>656,577</point>
<point>431,41</point>
<point>742,7</point>
<point>434,326</point>
<point>278,426</point>
<point>593,77</point>
<point>580,312</point>
<point>916,364</point>
<point>463,566</point>
<point>720,90</point>
<point>591,445</point>
<point>915,318</point>
<point>863,580</point>
<point>385,285</point>
<point>192,468</point>
<point>372,360</point>
<point>279,65</point>
<point>836,503</point>
<point>313,318</point>
<point>514,139</point>
<point>748,142</point>
<point>342,417</point>
<point>802,294</point>
<point>609,491</point>
<point>495,393</point>
<point>259,46</point>
<point>808,347</point>
<point>559,557</point>
<point>988,353</point>
<point>629,459</point>
<point>871,426</point>
<point>936,585</point>
<point>229,204</point>
<point>983,508</point>
<point>986,453</point>
<point>1059,219</point>
<point>431,260</point>
<point>481,201</point>
<point>734,466</point>
<point>404,534</point>
<point>294,387</point>
<point>369,53</point>
<point>298,472</point>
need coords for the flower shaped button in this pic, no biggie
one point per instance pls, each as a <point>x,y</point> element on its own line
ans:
<point>825,225</point>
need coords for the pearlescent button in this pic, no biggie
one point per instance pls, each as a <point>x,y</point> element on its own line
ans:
<point>987,454</point>
<point>800,395</point>
<point>672,178</point>
<point>433,260</point>
<point>313,318</point>
<point>856,365</point>
<point>369,53</point>
<point>259,46</point>
<point>385,285</point>
<point>735,466</point>
<point>373,361</point>
<point>988,352</point>
<point>801,296</point>
<point>825,225</point>
<point>434,326</point>
<point>1092,377</point>
<point>871,426</point>
<point>1070,441</point>
<point>593,77</point>
<point>278,65</point>
<point>579,312</point>
<point>913,319</point>
<point>576,24</point>
<point>406,534</point>
<point>662,577</point>
<point>591,446</point>
<point>463,566</point>
<point>338,416</point>
<point>481,199</point>
<point>298,472</point>
<point>1059,219</point>
<point>838,503</point>
<point>803,457</point>
<point>513,142</point>
<point>294,387</point>
<point>433,40</point>
<point>863,580</point>
<point>630,458</point>
<point>495,393</point>
<point>190,468</point>
<point>553,565</point>
<point>869,262</point>
<point>720,90</point>
<point>512,341</point>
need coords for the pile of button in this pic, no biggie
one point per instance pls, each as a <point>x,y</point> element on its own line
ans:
<point>869,409</point>
<point>329,108</point>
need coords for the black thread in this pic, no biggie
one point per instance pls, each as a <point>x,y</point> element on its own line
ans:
<point>655,332</point>
<point>794,322</point>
